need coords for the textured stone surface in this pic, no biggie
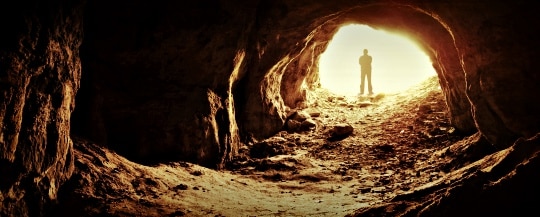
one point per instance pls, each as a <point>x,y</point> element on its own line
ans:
<point>39,77</point>
<point>496,54</point>
<point>151,67</point>
<point>160,79</point>
<point>178,80</point>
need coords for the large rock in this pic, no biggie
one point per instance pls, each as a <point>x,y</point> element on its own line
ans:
<point>340,131</point>
<point>39,76</point>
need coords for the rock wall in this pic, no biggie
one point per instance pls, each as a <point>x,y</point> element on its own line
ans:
<point>496,48</point>
<point>160,78</point>
<point>150,68</point>
<point>39,77</point>
<point>176,80</point>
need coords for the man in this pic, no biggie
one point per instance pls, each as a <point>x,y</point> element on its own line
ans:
<point>365,71</point>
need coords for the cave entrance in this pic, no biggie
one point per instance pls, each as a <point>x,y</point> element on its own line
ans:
<point>398,62</point>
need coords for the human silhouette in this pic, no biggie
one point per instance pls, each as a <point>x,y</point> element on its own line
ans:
<point>365,71</point>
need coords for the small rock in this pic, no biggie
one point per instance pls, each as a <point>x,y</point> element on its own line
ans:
<point>308,124</point>
<point>196,173</point>
<point>365,104</point>
<point>347,178</point>
<point>299,115</point>
<point>293,125</point>
<point>315,114</point>
<point>181,187</point>
<point>380,189</point>
<point>365,190</point>
<point>341,131</point>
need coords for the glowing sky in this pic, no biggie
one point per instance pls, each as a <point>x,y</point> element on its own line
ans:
<point>398,63</point>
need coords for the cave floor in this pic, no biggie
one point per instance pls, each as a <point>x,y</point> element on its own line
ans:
<point>400,142</point>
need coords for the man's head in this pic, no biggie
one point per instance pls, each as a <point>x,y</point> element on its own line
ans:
<point>365,51</point>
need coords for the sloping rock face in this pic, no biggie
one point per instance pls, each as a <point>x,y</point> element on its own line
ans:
<point>159,78</point>
<point>167,81</point>
<point>177,80</point>
<point>500,184</point>
<point>39,77</point>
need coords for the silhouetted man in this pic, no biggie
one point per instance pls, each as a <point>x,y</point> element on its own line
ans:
<point>365,71</point>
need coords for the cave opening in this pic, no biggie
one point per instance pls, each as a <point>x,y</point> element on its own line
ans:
<point>293,161</point>
<point>160,79</point>
<point>398,62</point>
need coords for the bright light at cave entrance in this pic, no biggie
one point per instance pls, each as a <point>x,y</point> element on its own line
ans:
<point>398,63</point>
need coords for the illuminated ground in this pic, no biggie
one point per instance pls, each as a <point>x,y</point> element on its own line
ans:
<point>399,143</point>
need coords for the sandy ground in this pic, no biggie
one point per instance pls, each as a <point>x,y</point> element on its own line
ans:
<point>399,142</point>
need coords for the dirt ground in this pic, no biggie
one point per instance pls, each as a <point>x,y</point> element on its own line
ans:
<point>398,142</point>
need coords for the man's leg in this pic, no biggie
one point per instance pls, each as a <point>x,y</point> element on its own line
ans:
<point>362,78</point>
<point>370,88</point>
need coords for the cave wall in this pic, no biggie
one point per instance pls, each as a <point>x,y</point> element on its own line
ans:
<point>152,67</point>
<point>496,45</point>
<point>168,80</point>
<point>484,71</point>
<point>39,77</point>
<point>160,78</point>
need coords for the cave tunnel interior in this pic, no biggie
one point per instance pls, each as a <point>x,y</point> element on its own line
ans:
<point>287,77</point>
<point>198,81</point>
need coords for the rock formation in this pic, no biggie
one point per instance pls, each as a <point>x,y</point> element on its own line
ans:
<point>191,80</point>
<point>40,71</point>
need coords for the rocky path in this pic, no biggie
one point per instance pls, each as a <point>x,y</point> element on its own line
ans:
<point>337,155</point>
<point>374,147</point>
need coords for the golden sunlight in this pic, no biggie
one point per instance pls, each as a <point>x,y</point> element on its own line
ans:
<point>398,63</point>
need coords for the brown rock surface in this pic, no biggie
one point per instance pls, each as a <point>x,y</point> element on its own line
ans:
<point>152,67</point>
<point>195,80</point>
<point>39,76</point>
